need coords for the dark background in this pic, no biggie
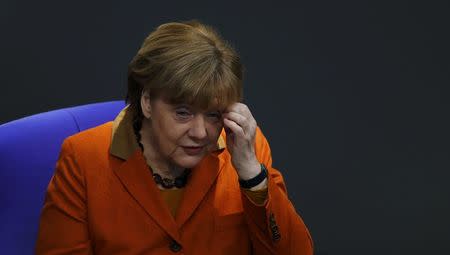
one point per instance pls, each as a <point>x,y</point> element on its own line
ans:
<point>352,95</point>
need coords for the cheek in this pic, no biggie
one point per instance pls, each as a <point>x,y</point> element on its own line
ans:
<point>174,136</point>
<point>169,136</point>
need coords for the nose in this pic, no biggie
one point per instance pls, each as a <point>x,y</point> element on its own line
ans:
<point>198,128</point>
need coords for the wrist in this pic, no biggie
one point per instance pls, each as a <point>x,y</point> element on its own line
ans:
<point>250,171</point>
<point>259,181</point>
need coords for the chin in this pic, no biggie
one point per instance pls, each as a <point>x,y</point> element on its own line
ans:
<point>189,161</point>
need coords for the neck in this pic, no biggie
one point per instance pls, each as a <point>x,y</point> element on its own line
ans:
<point>159,164</point>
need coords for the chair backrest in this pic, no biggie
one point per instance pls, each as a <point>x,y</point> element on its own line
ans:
<point>29,149</point>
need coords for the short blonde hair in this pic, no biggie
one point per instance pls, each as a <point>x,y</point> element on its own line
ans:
<point>186,62</point>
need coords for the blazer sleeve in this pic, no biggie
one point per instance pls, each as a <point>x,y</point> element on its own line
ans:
<point>63,222</point>
<point>275,227</point>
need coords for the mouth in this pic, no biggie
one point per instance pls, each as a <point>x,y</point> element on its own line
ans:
<point>193,150</point>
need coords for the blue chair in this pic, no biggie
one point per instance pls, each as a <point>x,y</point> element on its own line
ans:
<point>29,149</point>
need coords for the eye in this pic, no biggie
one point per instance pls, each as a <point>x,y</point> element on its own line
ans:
<point>183,113</point>
<point>216,115</point>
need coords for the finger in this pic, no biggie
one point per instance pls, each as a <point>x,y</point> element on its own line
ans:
<point>248,122</point>
<point>238,118</point>
<point>239,108</point>
<point>233,107</point>
<point>235,128</point>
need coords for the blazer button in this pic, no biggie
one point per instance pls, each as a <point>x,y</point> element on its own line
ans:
<point>174,246</point>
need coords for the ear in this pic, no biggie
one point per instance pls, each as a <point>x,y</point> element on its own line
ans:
<point>146,104</point>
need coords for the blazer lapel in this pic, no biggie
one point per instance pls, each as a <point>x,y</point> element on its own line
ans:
<point>202,178</point>
<point>136,177</point>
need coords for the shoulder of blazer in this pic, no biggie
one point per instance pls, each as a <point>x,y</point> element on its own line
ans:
<point>91,141</point>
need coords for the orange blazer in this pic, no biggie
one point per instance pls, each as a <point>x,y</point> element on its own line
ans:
<point>102,200</point>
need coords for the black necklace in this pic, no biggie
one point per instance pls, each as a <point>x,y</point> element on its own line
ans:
<point>178,182</point>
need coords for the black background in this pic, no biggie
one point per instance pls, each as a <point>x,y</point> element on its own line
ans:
<point>352,95</point>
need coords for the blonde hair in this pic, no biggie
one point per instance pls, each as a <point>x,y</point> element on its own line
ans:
<point>185,62</point>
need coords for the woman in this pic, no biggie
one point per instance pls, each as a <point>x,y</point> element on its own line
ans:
<point>182,169</point>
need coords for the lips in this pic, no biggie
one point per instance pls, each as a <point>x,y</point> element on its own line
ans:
<point>193,150</point>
